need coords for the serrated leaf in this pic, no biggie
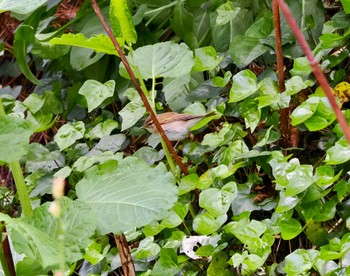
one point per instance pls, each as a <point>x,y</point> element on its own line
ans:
<point>100,43</point>
<point>127,200</point>
<point>119,14</point>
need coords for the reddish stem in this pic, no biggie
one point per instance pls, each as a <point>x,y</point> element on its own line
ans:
<point>138,88</point>
<point>315,67</point>
<point>284,113</point>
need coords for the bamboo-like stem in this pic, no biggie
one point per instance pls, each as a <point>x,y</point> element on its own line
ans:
<point>138,88</point>
<point>321,78</point>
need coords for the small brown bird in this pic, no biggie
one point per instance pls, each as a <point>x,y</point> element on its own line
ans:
<point>176,126</point>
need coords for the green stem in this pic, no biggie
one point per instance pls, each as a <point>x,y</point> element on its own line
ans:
<point>21,188</point>
<point>168,157</point>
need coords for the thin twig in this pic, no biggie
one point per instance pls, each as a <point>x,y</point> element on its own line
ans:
<point>138,88</point>
<point>315,67</point>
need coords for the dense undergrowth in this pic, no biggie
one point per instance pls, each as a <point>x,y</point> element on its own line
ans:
<point>267,189</point>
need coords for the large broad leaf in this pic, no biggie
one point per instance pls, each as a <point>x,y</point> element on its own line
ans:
<point>77,222</point>
<point>14,138</point>
<point>131,195</point>
<point>31,241</point>
<point>21,6</point>
<point>161,60</point>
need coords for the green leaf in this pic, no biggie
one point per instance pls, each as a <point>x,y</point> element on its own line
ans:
<point>300,261</point>
<point>346,5</point>
<point>218,264</point>
<point>301,67</point>
<point>183,25</point>
<point>339,153</point>
<point>126,199</point>
<point>93,253</point>
<point>250,112</point>
<point>205,59</point>
<point>95,92</point>
<point>167,263</point>
<point>188,183</point>
<point>100,43</point>
<point>304,111</point>
<point>164,59</point>
<point>24,35</point>
<point>78,226</point>
<point>33,242</point>
<point>14,138</point>
<point>206,223</point>
<point>296,84</point>
<point>133,111</point>
<point>290,228</point>
<point>102,129</point>
<point>248,232</point>
<point>217,202</point>
<point>244,50</point>
<point>21,6</point>
<point>68,134</point>
<point>226,12</point>
<point>147,248</point>
<point>244,84</point>
<point>41,159</point>
<point>119,14</point>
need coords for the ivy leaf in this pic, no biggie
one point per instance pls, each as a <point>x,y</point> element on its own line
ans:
<point>290,228</point>
<point>244,84</point>
<point>218,201</point>
<point>205,59</point>
<point>300,261</point>
<point>206,223</point>
<point>68,134</point>
<point>95,92</point>
<point>127,200</point>
<point>339,153</point>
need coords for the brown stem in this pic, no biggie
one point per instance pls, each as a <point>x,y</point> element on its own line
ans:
<point>284,113</point>
<point>315,68</point>
<point>8,254</point>
<point>138,88</point>
<point>125,256</point>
